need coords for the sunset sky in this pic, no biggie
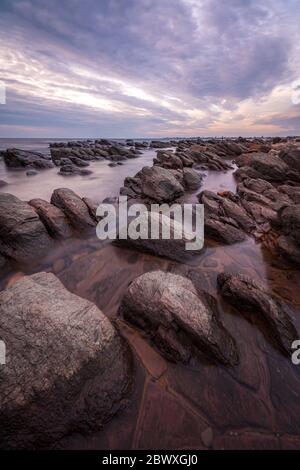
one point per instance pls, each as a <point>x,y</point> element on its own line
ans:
<point>149,68</point>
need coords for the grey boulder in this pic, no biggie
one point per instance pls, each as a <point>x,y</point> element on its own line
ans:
<point>181,322</point>
<point>67,369</point>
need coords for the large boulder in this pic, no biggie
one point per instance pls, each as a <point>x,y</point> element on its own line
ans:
<point>250,297</point>
<point>67,369</point>
<point>180,321</point>
<point>23,236</point>
<point>53,218</point>
<point>192,179</point>
<point>74,208</point>
<point>16,158</point>
<point>155,183</point>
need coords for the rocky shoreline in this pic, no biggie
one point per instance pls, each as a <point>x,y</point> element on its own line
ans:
<point>173,311</point>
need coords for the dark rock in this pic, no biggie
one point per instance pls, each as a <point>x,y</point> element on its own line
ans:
<point>74,208</point>
<point>247,296</point>
<point>158,144</point>
<point>23,237</point>
<point>79,162</point>
<point>3,183</point>
<point>293,192</point>
<point>168,160</point>
<point>53,218</point>
<point>92,207</point>
<point>223,230</point>
<point>71,367</point>
<point>290,221</point>
<point>156,183</point>
<point>291,156</point>
<point>2,261</point>
<point>289,248</point>
<point>222,208</point>
<point>180,322</point>
<point>267,167</point>
<point>69,170</point>
<point>31,173</point>
<point>16,158</point>
<point>192,179</point>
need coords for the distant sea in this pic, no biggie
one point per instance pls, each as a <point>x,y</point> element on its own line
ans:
<point>42,144</point>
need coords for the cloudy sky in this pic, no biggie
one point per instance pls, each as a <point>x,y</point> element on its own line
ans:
<point>149,68</point>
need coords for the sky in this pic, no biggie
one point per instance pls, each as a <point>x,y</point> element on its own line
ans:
<point>149,68</point>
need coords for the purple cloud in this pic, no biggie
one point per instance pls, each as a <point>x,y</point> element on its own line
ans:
<point>145,67</point>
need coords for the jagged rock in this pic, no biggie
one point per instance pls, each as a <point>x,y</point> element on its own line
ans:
<point>223,230</point>
<point>293,192</point>
<point>158,144</point>
<point>207,159</point>
<point>2,262</point>
<point>167,160</point>
<point>156,183</point>
<point>92,207</point>
<point>290,221</point>
<point>192,179</point>
<point>67,170</point>
<point>23,237</point>
<point>67,369</point>
<point>78,161</point>
<point>74,208</point>
<point>173,247</point>
<point>225,209</point>
<point>267,167</point>
<point>247,296</point>
<point>289,248</point>
<point>291,156</point>
<point>16,158</point>
<point>53,218</point>
<point>179,320</point>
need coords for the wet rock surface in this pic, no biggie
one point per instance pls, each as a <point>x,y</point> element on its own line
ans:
<point>246,295</point>
<point>23,236</point>
<point>155,183</point>
<point>173,247</point>
<point>16,158</point>
<point>53,218</point>
<point>74,208</point>
<point>67,368</point>
<point>179,321</point>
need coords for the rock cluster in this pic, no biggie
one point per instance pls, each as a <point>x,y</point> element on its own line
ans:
<point>28,230</point>
<point>16,158</point>
<point>72,157</point>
